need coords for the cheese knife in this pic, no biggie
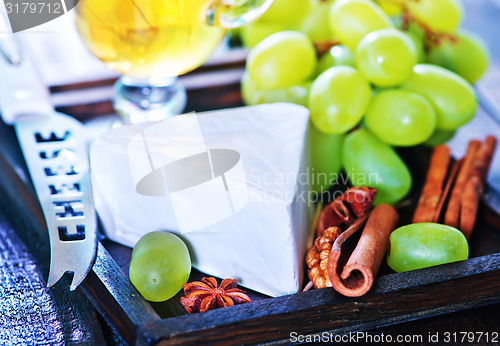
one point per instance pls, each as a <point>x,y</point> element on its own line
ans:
<point>56,154</point>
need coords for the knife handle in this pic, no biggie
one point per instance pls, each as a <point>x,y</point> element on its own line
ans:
<point>21,89</point>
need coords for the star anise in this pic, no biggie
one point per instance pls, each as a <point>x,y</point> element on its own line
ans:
<point>204,295</point>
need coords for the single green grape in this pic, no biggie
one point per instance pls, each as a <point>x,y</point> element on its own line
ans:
<point>437,15</point>
<point>338,99</point>
<point>159,266</point>
<point>386,57</point>
<point>290,12</point>
<point>391,7</point>
<point>315,23</point>
<point>325,159</point>
<point>282,15</point>
<point>370,162</point>
<point>440,137</point>
<point>416,30</point>
<point>400,117</point>
<point>282,59</point>
<point>255,32</point>
<point>377,90</point>
<point>467,56</point>
<point>351,20</point>
<point>336,56</point>
<point>453,98</point>
<point>422,245</point>
<point>418,41</point>
<point>298,94</point>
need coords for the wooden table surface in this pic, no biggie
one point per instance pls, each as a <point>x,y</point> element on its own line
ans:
<point>32,314</point>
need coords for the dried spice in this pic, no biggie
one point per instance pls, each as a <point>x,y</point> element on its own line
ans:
<point>356,277</point>
<point>346,208</point>
<point>317,257</point>
<point>350,209</point>
<point>205,295</point>
<point>433,189</point>
<point>463,190</point>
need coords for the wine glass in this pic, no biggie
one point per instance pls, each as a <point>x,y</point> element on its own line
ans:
<point>151,42</point>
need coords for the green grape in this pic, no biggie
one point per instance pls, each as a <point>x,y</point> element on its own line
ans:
<point>440,137</point>
<point>338,99</point>
<point>386,57</point>
<point>419,38</point>
<point>468,56</point>
<point>437,15</point>
<point>351,20</point>
<point>325,159</point>
<point>159,266</point>
<point>282,59</point>
<point>416,30</point>
<point>336,56</point>
<point>286,11</point>
<point>400,117</point>
<point>377,90</point>
<point>418,41</point>
<point>315,24</point>
<point>298,94</point>
<point>452,96</point>
<point>391,7</point>
<point>422,245</point>
<point>370,162</point>
<point>253,33</point>
<point>282,15</point>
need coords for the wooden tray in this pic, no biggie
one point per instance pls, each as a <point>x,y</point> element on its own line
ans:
<point>395,298</point>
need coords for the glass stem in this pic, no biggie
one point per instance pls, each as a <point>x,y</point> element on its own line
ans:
<point>138,100</point>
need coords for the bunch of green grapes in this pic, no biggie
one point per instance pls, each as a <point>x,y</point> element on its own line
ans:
<point>399,73</point>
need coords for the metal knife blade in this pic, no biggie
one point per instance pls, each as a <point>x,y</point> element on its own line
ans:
<point>55,151</point>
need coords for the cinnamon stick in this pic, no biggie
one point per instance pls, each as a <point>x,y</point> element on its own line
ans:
<point>318,254</point>
<point>433,187</point>
<point>482,160</point>
<point>358,274</point>
<point>466,182</point>
<point>451,217</point>
<point>451,179</point>
<point>474,186</point>
<point>469,205</point>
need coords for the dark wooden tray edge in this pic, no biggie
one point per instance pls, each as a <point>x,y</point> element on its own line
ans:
<point>115,298</point>
<point>395,298</point>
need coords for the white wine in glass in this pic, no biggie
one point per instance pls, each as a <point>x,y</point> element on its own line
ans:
<point>151,42</point>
